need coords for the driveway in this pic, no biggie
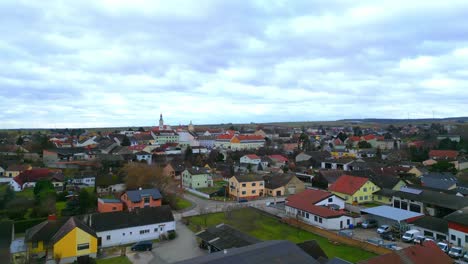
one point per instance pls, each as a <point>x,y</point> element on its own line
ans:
<point>364,234</point>
<point>184,246</point>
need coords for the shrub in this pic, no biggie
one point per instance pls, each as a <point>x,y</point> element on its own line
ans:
<point>172,234</point>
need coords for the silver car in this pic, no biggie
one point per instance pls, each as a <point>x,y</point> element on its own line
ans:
<point>383,229</point>
<point>456,252</point>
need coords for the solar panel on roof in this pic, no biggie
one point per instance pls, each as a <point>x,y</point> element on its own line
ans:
<point>410,190</point>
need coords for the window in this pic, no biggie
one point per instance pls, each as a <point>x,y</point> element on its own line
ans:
<point>156,230</point>
<point>123,234</point>
<point>315,218</point>
<point>244,192</point>
<point>365,189</point>
<point>428,234</point>
<point>82,246</point>
<point>243,185</point>
<point>254,191</point>
<point>108,237</point>
<point>261,184</point>
<point>131,233</point>
<point>320,220</point>
<point>396,203</point>
<point>254,184</point>
<point>35,244</point>
<point>144,231</point>
<point>161,227</point>
<point>379,197</point>
<point>146,200</point>
<point>440,237</point>
<point>453,237</point>
<point>330,200</point>
<point>365,197</point>
<point>348,222</point>
<point>307,216</point>
<point>360,198</point>
<point>466,238</point>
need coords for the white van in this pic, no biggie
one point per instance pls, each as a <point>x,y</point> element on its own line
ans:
<point>410,235</point>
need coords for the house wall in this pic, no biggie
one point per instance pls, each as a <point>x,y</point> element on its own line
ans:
<point>134,234</point>
<point>405,204</point>
<point>363,195</point>
<point>431,233</point>
<point>273,192</point>
<point>294,186</point>
<point>245,159</point>
<point>383,199</point>
<point>458,235</point>
<point>109,207</point>
<point>130,206</point>
<point>196,181</point>
<point>315,220</point>
<point>332,200</point>
<point>246,190</point>
<point>67,247</point>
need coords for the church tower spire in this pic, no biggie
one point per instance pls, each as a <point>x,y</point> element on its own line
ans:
<point>161,122</point>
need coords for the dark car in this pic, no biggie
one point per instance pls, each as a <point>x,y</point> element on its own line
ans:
<point>243,200</point>
<point>387,236</point>
<point>142,246</point>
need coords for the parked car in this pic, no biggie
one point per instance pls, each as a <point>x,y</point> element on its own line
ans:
<point>456,252</point>
<point>243,200</point>
<point>429,239</point>
<point>465,257</point>
<point>384,229</point>
<point>142,246</point>
<point>410,235</point>
<point>419,239</point>
<point>388,236</point>
<point>369,223</point>
<point>443,246</point>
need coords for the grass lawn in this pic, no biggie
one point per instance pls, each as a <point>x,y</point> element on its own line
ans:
<point>208,190</point>
<point>181,203</point>
<point>59,206</point>
<point>115,260</point>
<point>268,228</point>
<point>89,189</point>
<point>27,193</point>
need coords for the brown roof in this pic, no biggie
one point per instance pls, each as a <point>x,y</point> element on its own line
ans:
<point>348,184</point>
<point>306,201</point>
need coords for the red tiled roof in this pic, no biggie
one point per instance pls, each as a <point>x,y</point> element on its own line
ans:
<point>347,184</point>
<point>252,156</point>
<point>250,137</point>
<point>355,138</point>
<point>369,137</point>
<point>279,158</point>
<point>417,254</point>
<point>380,138</point>
<point>137,147</point>
<point>443,153</point>
<point>306,201</point>
<point>35,175</point>
<point>224,137</point>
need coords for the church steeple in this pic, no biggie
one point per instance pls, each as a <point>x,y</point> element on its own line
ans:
<point>161,122</point>
<point>191,128</point>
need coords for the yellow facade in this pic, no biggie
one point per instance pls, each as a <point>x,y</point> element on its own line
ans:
<point>36,248</point>
<point>363,195</point>
<point>246,189</point>
<point>68,245</point>
<point>416,172</point>
<point>337,154</point>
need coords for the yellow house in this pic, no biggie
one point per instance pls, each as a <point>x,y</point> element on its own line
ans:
<point>283,184</point>
<point>14,170</point>
<point>417,172</point>
<point>66,240</point>
<point>248,186</point>
<point>354,190</point>
<point>342,154</point>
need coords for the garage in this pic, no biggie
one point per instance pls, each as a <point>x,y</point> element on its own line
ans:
<point>387,215</point>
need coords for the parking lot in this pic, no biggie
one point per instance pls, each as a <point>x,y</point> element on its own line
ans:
<point>364,234</point>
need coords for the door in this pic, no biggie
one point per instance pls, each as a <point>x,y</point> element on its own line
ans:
<point>341,224</point>
<point>278,193</point>
<point>459,242</point>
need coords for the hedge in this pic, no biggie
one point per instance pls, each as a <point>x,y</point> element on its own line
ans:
<point>22,225</point>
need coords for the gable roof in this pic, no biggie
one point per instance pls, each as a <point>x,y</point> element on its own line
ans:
<point>276,181</point>
<point>435,198</point>
<point>223,236</point>
<point>69,225</point>
<point>123,219</point>
<point>268,252</point>
<point>35,175</point>
<point>452,154</point>
<point>279,158</point>
<point>248,177</point>
<point>347,184</point>
<point>135,195</point>
<point>307,199</point>
<point>417,254</point>
<point>252,156</point>
<point>309,196</point>
<point>459,216</point>
<point>51,231</point>
<point>432,223</point>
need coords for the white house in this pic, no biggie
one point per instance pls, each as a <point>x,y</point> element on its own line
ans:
<point>143,155</point>
<point>458,228</point>
<point>120,228</point>
<point>84,179</point>
<point>250,159</point>
<point>319,208</point>
<point>87,142</point>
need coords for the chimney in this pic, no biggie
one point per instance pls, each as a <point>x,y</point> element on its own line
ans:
<point>52,217</point>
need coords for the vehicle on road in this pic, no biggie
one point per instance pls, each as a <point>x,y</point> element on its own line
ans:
<point>142,246</point>
<point>384,229</point>
<point>410,235</point>
<point>456,252</point>
<point>369,223</point>
<point>388,236</point>
<point>443,246</point>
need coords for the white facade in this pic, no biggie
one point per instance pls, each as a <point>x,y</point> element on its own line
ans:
<point>458,238</point>
<point>431,233</point>
<point>146,157</point>
<point>337,223</point>
<point>90,181</point>
<point>134,234</point>
<point>16,187</point>
<point>247,160</point>
<point>332,200</point>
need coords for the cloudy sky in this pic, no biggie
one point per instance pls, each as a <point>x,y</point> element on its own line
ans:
<point>121,63</point>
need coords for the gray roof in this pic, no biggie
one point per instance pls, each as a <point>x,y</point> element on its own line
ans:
<point>435,198</point>
<point>135,195</point>
<point>459,216</point>
<point>224,236</point>
<point>268,252</point>
<point>105,200</point>
<point>432,223</point>
<point>198,170</point>
<point>436,183</point>
<point>391,213</point>
<point>118,220</point>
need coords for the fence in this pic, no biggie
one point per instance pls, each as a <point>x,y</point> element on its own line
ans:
<point>204,195</point>
<point>337,238</point>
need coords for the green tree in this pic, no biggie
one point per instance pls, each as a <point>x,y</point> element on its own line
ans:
<point>364,144</point>
<point>125,142</point>
<point>443,166</point>
<point>188,154</point>
<point>43,186</point>
<point>20,141</point>
<point>342,136</point>
<point>141,129</point>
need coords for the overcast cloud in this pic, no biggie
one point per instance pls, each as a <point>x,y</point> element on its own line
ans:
<point>121,63</point>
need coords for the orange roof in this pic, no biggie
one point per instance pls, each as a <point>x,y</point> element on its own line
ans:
<point>279,158</point>
<point>252,156</point>
<point>307,199</point>
<point>369,137</point>
<point>250,137</point>
<point>224,137</point>
<point>443,153</point>
<point>347,184</point>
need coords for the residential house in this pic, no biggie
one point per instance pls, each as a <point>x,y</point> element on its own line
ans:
<point>428,252</point>
<point>354,190</point>
<point>343,153</point>
<point>337,164</point>
<point>144,138</point>
<point>312,159</point>
<point>2,171</point>
<point>458,227</point>
<point>246,186</point>
<point>318,208</point>
<point>442,181</point>
<point>188,138</point>
<point>443,154</point>
<point>143,155</point>
<point>428,202</point>
<point>109,205</point>
<point>197,177</point>
<point>28,179</point>
<point>455,138</point>
<point>207,141</point>
<point>109,184</point>
<point>162,137</point>
<point>67,240</point>
<point>278,160</point>
<point>15,170</point>
<point>141,198</point>
<point>239,142</point>
<point>106,145</point>
<point>433,227</point>
<point>84,178</point>
<point>223,237</point>
<point>122,228</point>
<point>90,142</point>
<point>168,170</point>
<point>283,184</point>
<point>250,159</point>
